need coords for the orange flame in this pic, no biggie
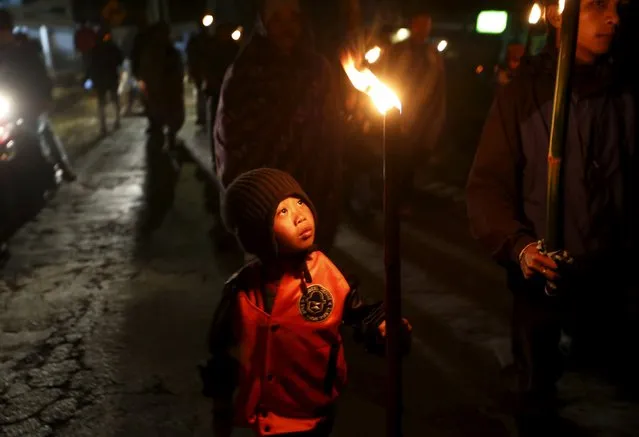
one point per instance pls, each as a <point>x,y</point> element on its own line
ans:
<point>365,81</point>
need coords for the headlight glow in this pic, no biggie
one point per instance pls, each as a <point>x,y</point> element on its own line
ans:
<point>6,105</point>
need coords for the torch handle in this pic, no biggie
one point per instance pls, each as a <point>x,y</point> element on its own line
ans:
<point>392,264</point>
<point>559,127</point>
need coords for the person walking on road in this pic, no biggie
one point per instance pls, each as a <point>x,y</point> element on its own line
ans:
<point>504,73</point>
<point>506,197</point>
<point>199,52</point>
<point>104,71</point>
<point>84,39</point>
<point>296,295</point>
<point>162,73</point>
<point>278,108</point>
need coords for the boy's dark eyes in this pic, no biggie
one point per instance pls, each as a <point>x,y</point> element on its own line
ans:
<point>283,211</point>
<point>300,202</point>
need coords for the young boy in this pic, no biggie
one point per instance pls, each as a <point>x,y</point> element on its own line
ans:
<point>277,363</point>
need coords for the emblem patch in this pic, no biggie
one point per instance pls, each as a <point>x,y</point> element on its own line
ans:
<point>317,304</point>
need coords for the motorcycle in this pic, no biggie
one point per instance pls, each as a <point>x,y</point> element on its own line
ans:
<point>27,177</point>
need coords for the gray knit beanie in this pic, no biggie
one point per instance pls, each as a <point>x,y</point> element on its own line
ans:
<point>250,203</point>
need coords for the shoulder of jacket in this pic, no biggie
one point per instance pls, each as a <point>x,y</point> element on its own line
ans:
<point>325,263</point>
<point>241,276</point>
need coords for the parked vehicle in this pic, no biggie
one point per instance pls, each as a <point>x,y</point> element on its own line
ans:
<point>27,178</point>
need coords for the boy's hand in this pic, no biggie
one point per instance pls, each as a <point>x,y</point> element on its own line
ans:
<point>405,325</point>
<point>405,336</point>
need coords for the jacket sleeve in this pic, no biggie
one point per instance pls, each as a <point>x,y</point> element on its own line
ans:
<point>494,200</point>
<point>363,317</point>
<point>220,374</point>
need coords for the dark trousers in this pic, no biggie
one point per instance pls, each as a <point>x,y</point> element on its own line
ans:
<point>597,315</point>
<point>52,148</point>
<point>104,94</point>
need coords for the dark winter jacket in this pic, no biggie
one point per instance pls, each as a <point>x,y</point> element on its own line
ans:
<point>222,55</point>
<point>106,59</point>
<point>296,306</point>
<point>281,112</point>
<point>508,181</point>
<point>140,41</point>
<point>162,71</point>
<point>198,50</point>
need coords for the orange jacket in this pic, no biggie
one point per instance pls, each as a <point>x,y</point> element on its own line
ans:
<point>286,366</point>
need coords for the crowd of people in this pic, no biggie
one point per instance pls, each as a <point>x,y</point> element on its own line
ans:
<point>278,120</point>
<point>277,109</point>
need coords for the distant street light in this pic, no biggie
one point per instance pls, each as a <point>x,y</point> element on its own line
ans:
<point>207,20</point>
<point>401,35</point>
<point>237,34</point>
<point>443,44</point>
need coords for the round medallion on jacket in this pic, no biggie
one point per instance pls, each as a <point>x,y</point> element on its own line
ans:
<point>316,304</point>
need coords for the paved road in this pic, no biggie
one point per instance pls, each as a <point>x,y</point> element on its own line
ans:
<point>101,328</point>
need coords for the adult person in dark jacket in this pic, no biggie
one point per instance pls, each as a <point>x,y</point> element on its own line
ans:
<point>278,109</point>
<point>84,40</point>
<point>504,73</point>
<point>223,51</point>
<point>135,55</point>
<point>507,202</point>
<point>198,52</point>
<point>162,72</point>
<point>104,71</point>
<point>24,73</point>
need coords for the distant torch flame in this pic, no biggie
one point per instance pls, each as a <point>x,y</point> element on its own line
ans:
<point>207,20</point>
<point>562,5</point>
<point>535,14</point>
<point>373,55</point>
<point>365,81</point>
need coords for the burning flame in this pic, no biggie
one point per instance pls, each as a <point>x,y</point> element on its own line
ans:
<point>535,14</point>
<point>562,5</point>
<point>365,81</point>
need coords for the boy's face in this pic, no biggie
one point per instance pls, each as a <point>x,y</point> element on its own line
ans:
<point>294,226</point>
